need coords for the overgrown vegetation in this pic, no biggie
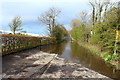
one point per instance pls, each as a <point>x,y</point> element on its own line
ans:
<point>80,32</point>
<point>103,32</point>
<point>60,33</point>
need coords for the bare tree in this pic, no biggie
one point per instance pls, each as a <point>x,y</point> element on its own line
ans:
<point>93,13</point>
<point>98,6</point>
<point>83,16</point>
<point>49,18</point>
<point>75,23</point>
<point>15,25</point>
<point>107,3</point>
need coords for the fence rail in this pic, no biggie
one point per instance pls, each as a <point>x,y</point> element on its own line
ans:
<point>13,43</point>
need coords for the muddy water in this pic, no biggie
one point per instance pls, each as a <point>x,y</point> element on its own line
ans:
<point>75,53</point>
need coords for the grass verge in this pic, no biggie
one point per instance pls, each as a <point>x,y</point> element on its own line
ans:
<point>112,59</point>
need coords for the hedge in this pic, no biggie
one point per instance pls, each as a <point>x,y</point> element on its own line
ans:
<point>12,43</point>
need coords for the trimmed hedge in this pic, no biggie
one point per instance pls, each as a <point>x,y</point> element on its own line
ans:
<point>13,43</point>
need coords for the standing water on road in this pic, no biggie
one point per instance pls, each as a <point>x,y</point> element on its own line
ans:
<point>75,53</point>
<point>70,51</point>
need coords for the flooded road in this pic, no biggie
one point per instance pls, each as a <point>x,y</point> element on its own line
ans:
<point>75,53</point>
<point>70,51</point>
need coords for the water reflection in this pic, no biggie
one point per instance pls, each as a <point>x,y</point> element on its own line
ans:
<point>54,48</point>
<point>72,51</point>
<point>91,61</point>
